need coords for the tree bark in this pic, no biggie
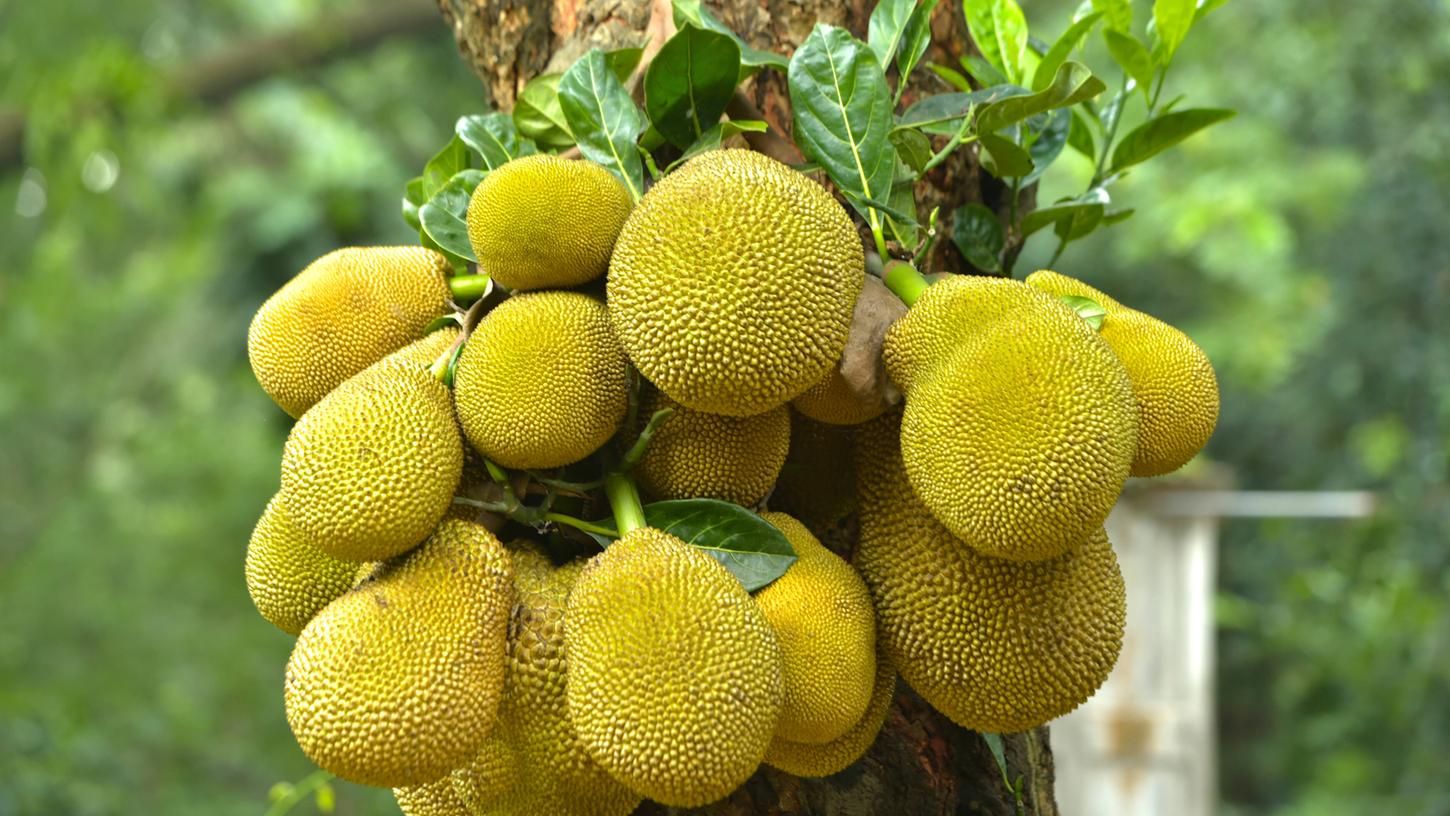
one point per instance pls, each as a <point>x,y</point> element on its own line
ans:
<point>921,763</point>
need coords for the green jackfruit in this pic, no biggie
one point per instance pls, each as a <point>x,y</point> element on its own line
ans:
<point>821,613</point>
<point>1173,380</point>
<point>397,682</point>
<point>541,381</point>
<point>995,645</point>
<point>733,283</point>
<point>698,455</point>
<point>370,470</point>
<point>288,577</point>
<point>833,402</point>
<point>825,759</point>
<point>542,222</point>
<point>817,483</point>
<point>492,773</point>
<point>344,312</point>
<point>674,673</point>
<point>437,798</point>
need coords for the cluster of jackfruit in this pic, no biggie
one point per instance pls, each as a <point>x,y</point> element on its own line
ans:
<point>687,343</point>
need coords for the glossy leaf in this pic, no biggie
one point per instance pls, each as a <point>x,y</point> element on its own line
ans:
<point>985,73</point>
<point>623,61</point>
<point>913,147</point>
<point>413,198</point>
<point>1078,223</point>
<point>1080,208</point>
<point>977,234</point>
<point>1000,31</point>
<point>689,82</point>
<point>1003,157</point>
<point>1171,21</point>
<point>914,42</point>
<point>1072,84</point>
<point>444,165</point>
<point>951,76</point>
<point>1070,41</point>
<point>691,11</point>
<point>1158,134</point>
<point>445,217</point>
<point>1048,145</point>
<point>715,136</point>
<point>942,114</point>
<point>1119,13</point>
<point>1132,56</point>
<point>1088,309</point>
<point>495,137</point>
<point>750,547</point>
<point>1080,136</point>
<point>887,27</point>
<point>538,115</point>
<point>603,118</point>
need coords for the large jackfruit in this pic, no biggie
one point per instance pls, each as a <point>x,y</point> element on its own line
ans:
<point>492,773</point>
<point>674,673</point>
<point>698,455</point>
<point>733,282</point>
<point>368,471</point>
<point>289,577</point>
<point>824,759</point>
<point>341,314</point>
<point>541,381</point>
<point>821,612</point>
<point>1020,424</point>
<point>542,222</point>
<point>398,682</point>
<point>833,402</point>
<point>995,645</point>
<point>1173,380</point>
<point>437,798</point>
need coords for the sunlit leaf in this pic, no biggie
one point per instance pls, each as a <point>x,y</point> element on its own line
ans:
<point>1000,31</point>
<point>1088,309</point>
<point>603,118</point>
<point>887,28</point>
<point>1171,21</point>
<point>495,137</point>
<point>1119,13</point>
<point>1132,56</point>
<point>444,165</point>
<point>1158,134</point>
<point>445,217</point>
<point>1070,41</point>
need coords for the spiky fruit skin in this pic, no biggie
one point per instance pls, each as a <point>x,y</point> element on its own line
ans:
<point>492,773</point>
<point>674,673</point>
<point>824,759</point>
<point>368,472</point>
<point>542,222</point>
<point>817,483</point>
<point>698,455</point>
<point>397,682</point>
<point>344,312</point>
<point>288,577</point>
<point>541,381</point>
<point>437,798</point>
<point>995,645</point>
<point>831,401</point>
<point>1018,432</point>
<point>821,612</point>
<point>733,283</point>
<point>1173,380</point>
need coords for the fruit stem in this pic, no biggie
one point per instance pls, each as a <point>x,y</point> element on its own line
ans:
<point>624,501</point>
<point>905,281</point>
<point>636,451</point>
<point>469,287</point>
<point>580,524</point>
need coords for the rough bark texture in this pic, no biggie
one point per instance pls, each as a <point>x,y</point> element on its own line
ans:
<point>921,763</point>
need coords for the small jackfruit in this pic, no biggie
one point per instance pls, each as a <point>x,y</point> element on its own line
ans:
<point>542,222</point>
<point>832,401</point>
<point>1173,380</point>
<point>698,455</point>
<point>289,577</point>
<point>824,759</point>
<point>674,673</point>
<point>1018,432</point>
<point>821,612</point>
<point>344,312</point>
<point>397,682</point>
<point>541,381</point>
<point>368,471</point>
<point>733,281</point>
<point>492,773</point>
<point>817,483</point>
<point>437,798</point>
<point>995,645</point>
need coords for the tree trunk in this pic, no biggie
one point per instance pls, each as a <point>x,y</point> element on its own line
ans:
<point>921,763</point>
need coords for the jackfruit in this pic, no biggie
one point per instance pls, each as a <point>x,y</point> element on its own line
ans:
<point>674,673</point>
<point>825,759</point>
<point>493,772</point>
<point>995,645</point>
<point>698,455</point>
<point>733,281</point>
<point>1173,380</point>
<point>288,577</point>
<point>821,613</point>
<point>368,472</point>
<point>541,381</point>
<point>437,798</point>
<point>832,401</point>
<point>397,682</point>
<point>1018,431</point>
<point>345,311</point>
<point>542,222</point>
<point>817,483</point>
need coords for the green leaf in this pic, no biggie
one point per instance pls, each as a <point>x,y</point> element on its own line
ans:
<point>413,198</point>
<point>1000,32</point>
<point>914,42</point>
<point>1080,137</point>
<point>1206,6</point>
<point>279,791</point>
<point>750,547</point>
<point>903,200</point>
<point>1048,145</point>
<point>952,77</point>
<point>842,109</point>
<point>913,147</point>
<point>885,207</point>
<point>325,798</point>
<point>994,743</point>
<point>1087,309</point>
<point>715,136</point>
<point>1171,21</point>
<point>1078,208</point>
<point>942,114</point>
<point>1079,223</point>
<point>1119,13</point>
<point>985,73</point>
<point>623,61</point>
<point>495,137</point>
<point>1070,41</point>
<point>454,318</point>
<point>538,115</point>
<point>690,11</point>
<point>1117,216</point>
<point>1158,134</point>
<point>445,216</point>
<point>1132,56</point>
<point>978,236</point>
<point>689,82</point>
<point>1003,157</point>
<point>887,28</point>
<point>604,120</point>
<point>444,165</point>
<point>1072,84</point>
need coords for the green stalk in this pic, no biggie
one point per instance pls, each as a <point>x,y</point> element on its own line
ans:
<point>469,287</point>
<point>580,524</point>
<point>624,501</point>
<point>905,281</point>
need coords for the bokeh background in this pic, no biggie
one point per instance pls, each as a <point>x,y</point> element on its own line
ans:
<point>165,165</point>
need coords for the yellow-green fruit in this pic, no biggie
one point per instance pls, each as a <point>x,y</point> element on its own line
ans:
<point>824,759</point>
<point>437,798</point>
<point>817,483</point>
<point>341,314</point>
<point>492,773</point>
<point>288,577</point>
<point>698,455</point>
<point>674,673</point>
<point>1173,380</point>
<point>832,401</point>
<point>948,315</point>
<point>369,471</point>
<point>733,282</point>
<point>541,381</point>
<point>821,613</point>
<point>1018,435</point>
<point>397,682</point>
<point>995,645</point>
<point>542,222</point>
